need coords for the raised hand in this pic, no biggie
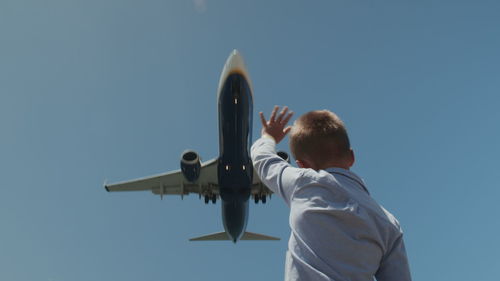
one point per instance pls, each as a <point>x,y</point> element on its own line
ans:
<point>276,126</point>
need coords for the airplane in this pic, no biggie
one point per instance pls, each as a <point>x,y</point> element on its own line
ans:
<point>230,176</point>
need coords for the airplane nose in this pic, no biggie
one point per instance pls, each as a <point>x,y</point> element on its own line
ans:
<point>236,54</point>
<point>234,64</point>
<point>235,61</point>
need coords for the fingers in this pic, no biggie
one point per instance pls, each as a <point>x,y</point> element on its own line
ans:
<point>287,118</point>
<point>263,120</point>
<point>287,130</point>
<point>273,114</point>
<point>275,127</point>
<point>282,114</point>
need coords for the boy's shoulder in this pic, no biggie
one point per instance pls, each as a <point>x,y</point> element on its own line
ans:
<point>323,178</point>
<point>391,219</point>
<point>309,182</point>
<point>307,177</point>
<point>343,184</point>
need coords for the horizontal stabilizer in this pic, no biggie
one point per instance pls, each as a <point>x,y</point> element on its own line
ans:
<point>222,236</point>
<point>219,236</point>
<point>256,236</point>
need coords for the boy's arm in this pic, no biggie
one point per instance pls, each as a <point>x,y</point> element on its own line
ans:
<point>394,265</point>
<point>272,170</point>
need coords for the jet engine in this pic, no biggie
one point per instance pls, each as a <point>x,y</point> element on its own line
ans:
<point>190,165</point>
<point>284,156</point>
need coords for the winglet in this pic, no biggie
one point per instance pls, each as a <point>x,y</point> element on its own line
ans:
<point>106,185</point>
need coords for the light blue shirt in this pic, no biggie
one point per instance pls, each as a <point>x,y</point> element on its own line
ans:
<point>338,231</point>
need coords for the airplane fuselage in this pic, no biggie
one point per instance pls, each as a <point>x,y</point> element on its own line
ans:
<point>235,170</point>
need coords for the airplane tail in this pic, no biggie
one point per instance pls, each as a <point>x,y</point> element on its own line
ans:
<point>222,236</point>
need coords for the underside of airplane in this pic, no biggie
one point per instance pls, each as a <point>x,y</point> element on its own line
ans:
<point>230,176</point>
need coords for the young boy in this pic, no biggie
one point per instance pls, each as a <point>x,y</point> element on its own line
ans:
<point>338,232</point>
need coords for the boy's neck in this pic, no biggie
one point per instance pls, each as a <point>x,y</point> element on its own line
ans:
<point>314,166</point>
<point>334,165</point>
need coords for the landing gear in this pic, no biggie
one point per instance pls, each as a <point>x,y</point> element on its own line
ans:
<point>212,197</point>
<point>260,197</point>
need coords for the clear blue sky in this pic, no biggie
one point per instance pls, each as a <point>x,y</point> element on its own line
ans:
<point>93,90</point>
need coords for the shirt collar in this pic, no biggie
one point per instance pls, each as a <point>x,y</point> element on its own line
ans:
<point>348,174</point>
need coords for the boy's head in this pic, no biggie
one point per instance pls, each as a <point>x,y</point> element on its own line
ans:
<point>319,140</point>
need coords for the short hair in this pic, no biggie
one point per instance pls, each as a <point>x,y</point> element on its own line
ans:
<point>319,136</point>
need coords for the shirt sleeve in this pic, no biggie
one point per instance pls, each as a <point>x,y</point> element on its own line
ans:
<point>276,173</point>
<point>394,265</point>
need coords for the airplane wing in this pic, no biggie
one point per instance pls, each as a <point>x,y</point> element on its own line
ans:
<point>174,183</point>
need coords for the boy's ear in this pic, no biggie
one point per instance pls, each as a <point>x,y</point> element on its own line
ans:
<point>299,164</point>
<point>304,164</point>
<point>352,158</point>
